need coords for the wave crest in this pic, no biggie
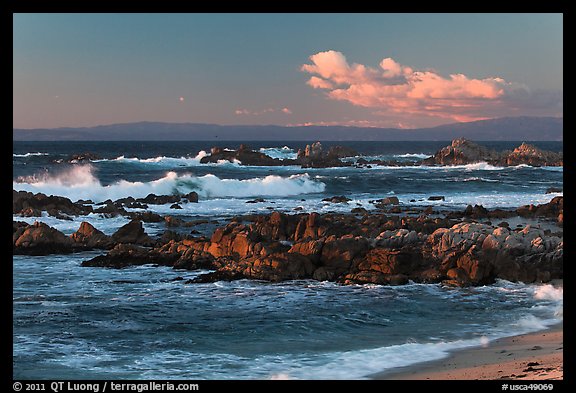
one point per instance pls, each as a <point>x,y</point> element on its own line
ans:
<point>79,182</point>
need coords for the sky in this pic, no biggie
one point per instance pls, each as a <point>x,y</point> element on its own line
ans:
<point>376,70</point>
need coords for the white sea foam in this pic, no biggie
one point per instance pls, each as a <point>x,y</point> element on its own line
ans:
<point>413,155</point>
<point>159,160</point>
<point>29,154</point>
<point>281,153</point>
<point>549,292</point>
<point>79,182</point>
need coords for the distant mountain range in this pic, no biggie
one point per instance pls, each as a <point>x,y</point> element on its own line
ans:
<point>502,129</point>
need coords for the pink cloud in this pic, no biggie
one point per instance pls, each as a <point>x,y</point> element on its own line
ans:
<point>393,88</point>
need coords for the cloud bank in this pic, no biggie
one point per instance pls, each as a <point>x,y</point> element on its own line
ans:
<point>393,89</point>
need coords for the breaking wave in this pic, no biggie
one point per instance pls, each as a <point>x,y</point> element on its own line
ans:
<point>79,182</point>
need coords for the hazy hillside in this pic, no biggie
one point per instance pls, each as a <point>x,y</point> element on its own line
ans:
<point>508,128</point>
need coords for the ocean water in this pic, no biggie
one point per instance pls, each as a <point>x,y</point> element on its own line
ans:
<point>72,322</point>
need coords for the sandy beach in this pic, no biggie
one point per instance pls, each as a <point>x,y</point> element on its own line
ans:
<point>534,356</point>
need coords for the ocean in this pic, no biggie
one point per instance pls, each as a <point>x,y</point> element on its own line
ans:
<point>73,322</point>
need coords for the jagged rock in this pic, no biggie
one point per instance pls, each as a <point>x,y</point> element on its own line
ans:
<point>86,156</point>
<point>31,205</point>
<point>314,156</point>
<point>132,233</point>
<point>154,199</point>
<point>111,210</point>
<point>337,199</point>
<point>381,203</point>
<point>40,239</point>
<point>461,152</point>
<point>90,237</point>
<point>531,155</point>
<point>245,156</point>
<point>146,216</point>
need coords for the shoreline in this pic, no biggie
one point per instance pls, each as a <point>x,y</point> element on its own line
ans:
<point>531,356</point>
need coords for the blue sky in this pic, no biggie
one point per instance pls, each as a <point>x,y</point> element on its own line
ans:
<point>91,69</point>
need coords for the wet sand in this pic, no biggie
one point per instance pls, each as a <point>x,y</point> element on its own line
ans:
<point>533,356</point>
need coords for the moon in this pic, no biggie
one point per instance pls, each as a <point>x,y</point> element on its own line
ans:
<point>181,99</point>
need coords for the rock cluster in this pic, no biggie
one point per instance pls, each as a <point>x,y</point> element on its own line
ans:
<point>463,152</point>
<point>374,248</point>
<point>313,156</point>
<point>28,204</point>
<point>244,155</point>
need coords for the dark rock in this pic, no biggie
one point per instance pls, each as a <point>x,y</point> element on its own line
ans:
<point>436,198</point>
<point>40,239</point>
<point>154,199</point>
<point>87,156</point>
<point>257,200</point>
<point>220,275</point>
<point>461,152</point>
<point>132,233</point>
<point>245,156</point>
<point>192,197</point>
<point>313,156</point>
<point>29,204</point>
<point>551,190</point>
<point>137,205</point>
<point>111,210</point>
<point>359,210</point>
<point>341,152</point>
<point>90,237</point>
<point>337,199</point>
<point>169,236</point>
<point>387,201</point>
<point>146,216</point>
<point>550,209</point>
<point>172,221</point>
<point>175,206</point>
<point>478,211</point>
<point>124,255</point>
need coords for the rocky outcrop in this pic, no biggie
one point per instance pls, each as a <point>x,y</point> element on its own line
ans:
<point>371,248</point>
<point>462,152</point>
<point>39,239</point>
<point>124,255</point>
<point>554,208</point>
<point>28,204</point>
<point>477,254</point>
<point>374,248</point>
<point>531,155</point>
<point>89,237</point>
<point>243,155</point>
<point>81,157</point>
<point>314,156</point>
<point>132,233</point>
